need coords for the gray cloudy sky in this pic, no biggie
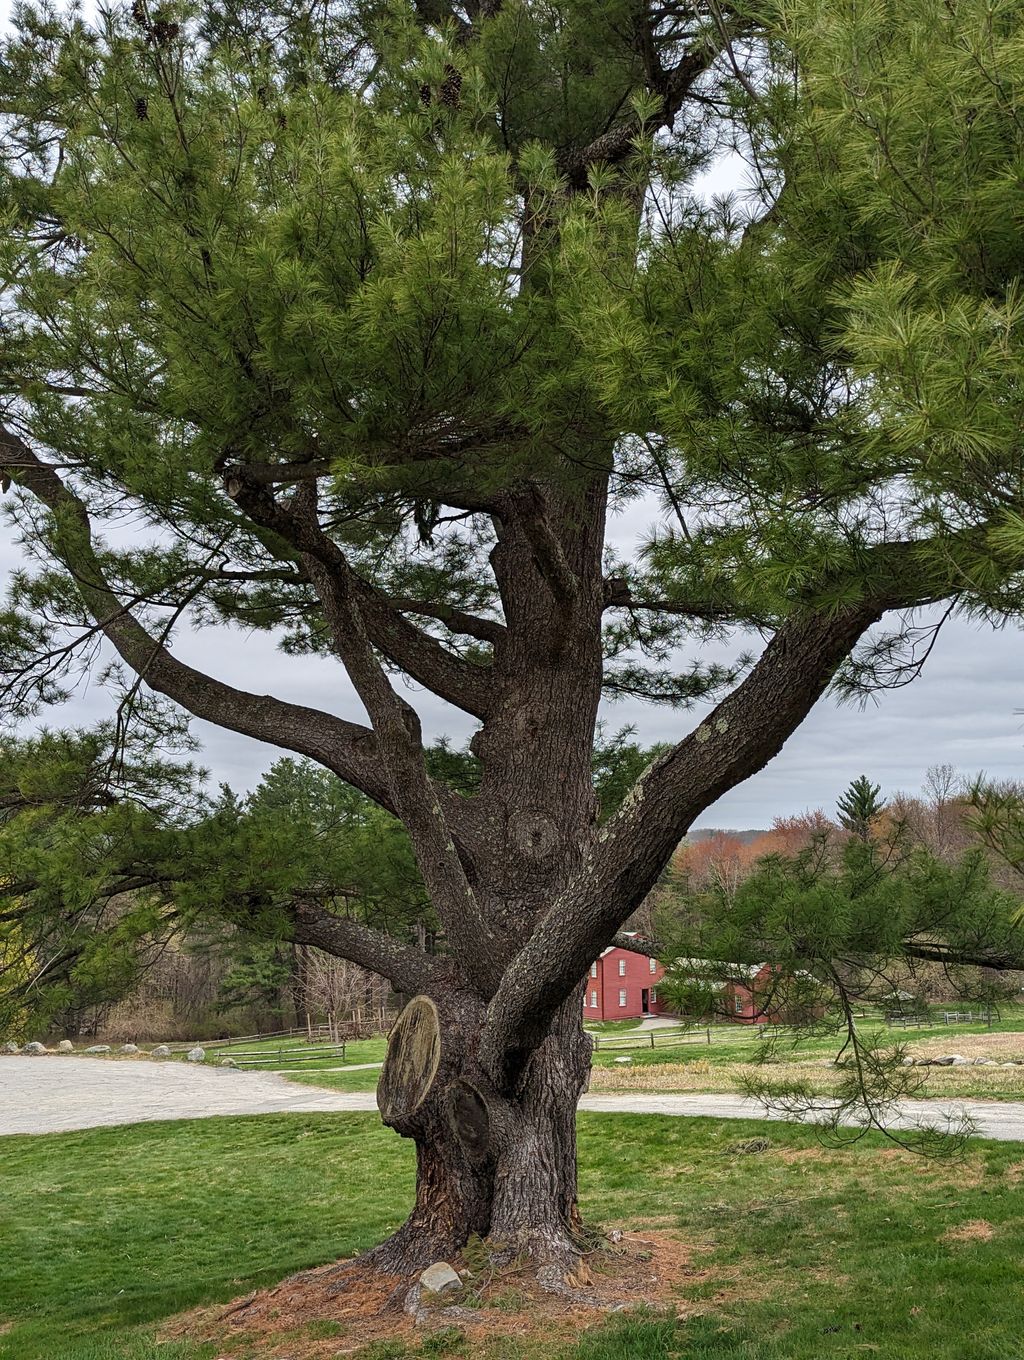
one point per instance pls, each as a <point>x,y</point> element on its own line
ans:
<point>963,709</point>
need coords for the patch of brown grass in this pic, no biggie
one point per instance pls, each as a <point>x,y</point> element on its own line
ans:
<point>822,1076</point>
<point>975,1230</point>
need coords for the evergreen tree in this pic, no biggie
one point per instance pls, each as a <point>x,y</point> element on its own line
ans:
<point>836,922</point>
<point>860,806</point>
<point>372,312</point>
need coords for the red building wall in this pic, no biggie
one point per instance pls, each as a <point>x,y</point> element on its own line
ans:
<point>620,971</point>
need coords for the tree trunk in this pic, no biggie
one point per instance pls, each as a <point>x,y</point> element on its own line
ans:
<point>500,1169</point>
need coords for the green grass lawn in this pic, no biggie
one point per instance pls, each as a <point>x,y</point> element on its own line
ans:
<point>798,1252</point>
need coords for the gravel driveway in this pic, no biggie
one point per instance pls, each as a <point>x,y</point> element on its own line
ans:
<point>52,1094</point>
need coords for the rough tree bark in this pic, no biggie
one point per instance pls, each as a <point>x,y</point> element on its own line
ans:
<point>501,1168</point>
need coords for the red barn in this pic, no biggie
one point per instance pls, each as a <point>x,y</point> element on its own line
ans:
<point>622,985</point>
<point>750,994</point>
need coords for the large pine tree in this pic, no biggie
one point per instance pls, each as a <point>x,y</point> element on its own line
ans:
<point>364,317</point>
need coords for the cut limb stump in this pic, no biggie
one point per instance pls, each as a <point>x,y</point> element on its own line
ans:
<point>414,1052</point>
<point>470,1118</point>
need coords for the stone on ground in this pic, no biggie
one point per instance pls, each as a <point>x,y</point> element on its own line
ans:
<point>128,1048</point>
<point>99,1048</point>
<point>65,1046</point>
<point>34,1047</point>
<point>196,1054</point>
<point>161,1051</point>
<point>441,1278</point>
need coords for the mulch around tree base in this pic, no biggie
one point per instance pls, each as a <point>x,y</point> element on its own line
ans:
<point>337,1310</point>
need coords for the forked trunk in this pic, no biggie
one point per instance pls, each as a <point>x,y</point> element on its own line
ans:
<point>502,1169</point>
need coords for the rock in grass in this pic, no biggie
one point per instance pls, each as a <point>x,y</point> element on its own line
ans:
<point>34,1048</point>
<point>624,1060</point>
<point>227,1062</point>
<point>65,1046</point>
<point>440,1278</point>
<point>161,1051</point>
<point>99,1048</point>
<point>10,1048</point>
<point>128,1048</point>
<point>196,1054</point>
<point>749,1147</point>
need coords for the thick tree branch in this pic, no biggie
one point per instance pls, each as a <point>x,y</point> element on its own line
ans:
<point>619,595</point>
<point>456,620</point>
<point>348,749</point>
<point>548,552</point>
<point>619,143</point>
<point>399,739</point>
<point>424,658</point>
<point>1005,960</point>
<point>743,733</point>
<point>409,970</point>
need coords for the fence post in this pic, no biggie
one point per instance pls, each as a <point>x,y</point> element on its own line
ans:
<point>709,1035</point>
<point>652,1038</point>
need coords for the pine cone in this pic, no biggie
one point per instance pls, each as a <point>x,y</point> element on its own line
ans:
<point>142,109</point>
<point>425,96</point>
<point>451,87</point>
<point>164,32</point>
<point>282,121</point>
<point>139,13</point>
<point>261,95</point>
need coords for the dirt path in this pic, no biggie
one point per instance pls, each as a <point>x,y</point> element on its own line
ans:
<point>53,1094</point>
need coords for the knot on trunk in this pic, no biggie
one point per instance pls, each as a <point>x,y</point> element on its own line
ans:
<point>535,834</point>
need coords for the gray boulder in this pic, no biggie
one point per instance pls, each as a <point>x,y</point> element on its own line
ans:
<point>947,1062</point>
<point>984,1062</point>
<point>34,1047</point>
<point>196,1054</point>
<point>440,1278</point>
<point>958,1061</point>
<point>10,1048</point>
<point>161,1051</point>
<point>227,1062</point>
<point>65,1046</point>
<point>128,1048</point>
<point>99,1048</point>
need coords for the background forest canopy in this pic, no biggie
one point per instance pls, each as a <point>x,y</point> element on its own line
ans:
<point>362,319</point>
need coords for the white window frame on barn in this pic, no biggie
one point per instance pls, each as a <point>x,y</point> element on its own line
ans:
<point>654,965</point>
<point>622,996</point>
<point>738,1004</point>
<point>593,1000</point>
<point>622,967</point>
<point>593,970</point>
<point>654,995</point>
